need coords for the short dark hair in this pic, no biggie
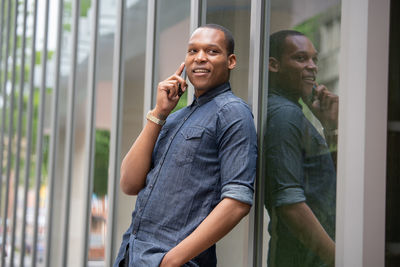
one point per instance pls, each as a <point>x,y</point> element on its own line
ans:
<point>277,42</point>
<point>230,42</point>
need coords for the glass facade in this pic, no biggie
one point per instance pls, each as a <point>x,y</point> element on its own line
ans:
<point>77,78</point>
<point>300,141</point>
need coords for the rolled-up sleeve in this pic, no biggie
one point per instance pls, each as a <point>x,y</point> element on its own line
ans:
<point>239,192</point>
<point>284,157</point>
<point>237,142</point>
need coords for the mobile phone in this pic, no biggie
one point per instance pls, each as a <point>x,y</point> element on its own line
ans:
<point>310,98</point>
<point>183,74</point>
<point>313,91</point>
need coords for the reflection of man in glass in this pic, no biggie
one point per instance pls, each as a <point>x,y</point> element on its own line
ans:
<point>194,175</point>
<point>301,176</point>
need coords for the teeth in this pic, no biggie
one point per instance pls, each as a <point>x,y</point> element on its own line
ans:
<point>200,71</point>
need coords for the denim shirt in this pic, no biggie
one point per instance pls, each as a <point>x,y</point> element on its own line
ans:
<point>204,153</point>
<point>299,168</point>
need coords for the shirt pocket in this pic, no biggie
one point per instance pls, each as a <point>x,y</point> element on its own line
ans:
<point>191,138</point>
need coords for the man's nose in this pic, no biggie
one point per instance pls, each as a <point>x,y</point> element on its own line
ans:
<point>201,56</point>
<point>312,65</point>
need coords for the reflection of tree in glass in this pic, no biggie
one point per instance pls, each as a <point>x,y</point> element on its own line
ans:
<point>101,162</point>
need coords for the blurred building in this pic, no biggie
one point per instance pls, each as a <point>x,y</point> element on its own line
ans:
<point>88,108</point>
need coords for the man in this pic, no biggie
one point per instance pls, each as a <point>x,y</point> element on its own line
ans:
<point>301,175</point>
<point>194,175</point>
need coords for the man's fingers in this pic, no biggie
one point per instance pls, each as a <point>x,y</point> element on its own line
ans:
<point>321,94</point>
<point>169,86</point>
<point>180,69</point>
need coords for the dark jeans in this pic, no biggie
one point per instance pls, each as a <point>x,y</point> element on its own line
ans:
<point>125,261</point>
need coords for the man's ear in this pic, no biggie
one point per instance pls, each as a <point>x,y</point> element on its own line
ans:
<point>273,65</point>
<point>231,61</point>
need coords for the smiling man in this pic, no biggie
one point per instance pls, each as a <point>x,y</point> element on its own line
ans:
<point>301,175</point>
<point>193,170</point>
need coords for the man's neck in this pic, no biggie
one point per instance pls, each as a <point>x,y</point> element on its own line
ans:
<point>199,91</point>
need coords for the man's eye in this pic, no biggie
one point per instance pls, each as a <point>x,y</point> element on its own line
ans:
<point>191,51</point>
<point>300,58</point>
<point>213,52</point>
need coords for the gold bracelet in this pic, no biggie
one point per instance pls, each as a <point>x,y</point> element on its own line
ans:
<point>154,119</point>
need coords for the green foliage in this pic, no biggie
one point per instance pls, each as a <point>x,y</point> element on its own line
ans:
<point>85,5</point>
<point>67,27</point>
<point>101,162</point>
<point>310,28</point>
<point>182,102</point>
<point>50,54</point>
<point>67,9</point>
<point>38,57</point>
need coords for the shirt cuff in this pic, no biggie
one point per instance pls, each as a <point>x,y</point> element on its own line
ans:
<point>288,196</point>
<point>238,192</point>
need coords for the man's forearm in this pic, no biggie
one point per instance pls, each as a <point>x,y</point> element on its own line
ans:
<point>225,216</point>
<point>305,226</point>
<point>137,162</point>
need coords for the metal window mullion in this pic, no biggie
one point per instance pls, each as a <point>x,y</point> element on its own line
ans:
<point>68,165</point>
<point>259,49</point>
<point>150,56</point>
<point>361,172</point>
<point>29,133</point>
<point>90,131</point>
<point>19,131</point>
<point>198,11</point>
<point>10,136</point>
<point>54,136</point>
<point>4,111</point>
<point>39,137</point>
<point>115,136</point>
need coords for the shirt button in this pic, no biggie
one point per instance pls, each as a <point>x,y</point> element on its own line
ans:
<point>151,186</point>
<point>134,232</point>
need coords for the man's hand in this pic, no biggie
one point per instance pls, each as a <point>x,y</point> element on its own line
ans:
<point>216,225</point>
<point>325,106</point>
<point>167,93</point>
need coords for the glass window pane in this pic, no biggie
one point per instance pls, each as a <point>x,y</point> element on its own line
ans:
<point>135,27</point>
<point>102,124</point>
<point>235,16</point>
<point>172,35</point>
<point>300,142</point>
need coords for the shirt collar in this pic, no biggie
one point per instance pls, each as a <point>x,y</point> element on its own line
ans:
<point>210,94</point>
<point>283,93</point>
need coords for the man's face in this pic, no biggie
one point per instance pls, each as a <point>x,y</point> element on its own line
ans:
<point>207,62</point>
<point>297,69</point>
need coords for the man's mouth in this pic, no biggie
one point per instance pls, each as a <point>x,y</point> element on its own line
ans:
<point>201,71</point>
<point>309,78</point>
